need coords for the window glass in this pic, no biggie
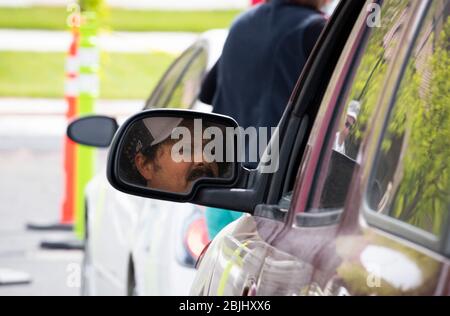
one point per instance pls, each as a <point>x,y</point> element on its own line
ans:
<point>181,85</point>
<point>411,178</point>
<point>331,186</point>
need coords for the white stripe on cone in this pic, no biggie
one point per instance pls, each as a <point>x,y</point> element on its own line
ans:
<point>89,57</point>
<point>89,84</point>
<point>71,87</point>
<point>72,65</point>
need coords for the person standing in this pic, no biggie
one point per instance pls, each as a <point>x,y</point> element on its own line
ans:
<point>263,56</point>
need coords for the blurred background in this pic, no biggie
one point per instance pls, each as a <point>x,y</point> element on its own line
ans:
<point>40,250</point>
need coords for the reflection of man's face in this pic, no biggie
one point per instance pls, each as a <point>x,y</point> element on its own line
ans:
<point>163,173</point>
<point>349,122</point>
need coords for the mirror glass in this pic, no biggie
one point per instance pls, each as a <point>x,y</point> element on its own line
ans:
<point>170,154</point>
<point>95,131</point>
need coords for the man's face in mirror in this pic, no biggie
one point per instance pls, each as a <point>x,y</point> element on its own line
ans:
<point>163,173</point>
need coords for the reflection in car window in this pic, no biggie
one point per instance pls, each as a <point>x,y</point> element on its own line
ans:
<point>411,179</point>
<point>181,84</point>
<point>331,186</point>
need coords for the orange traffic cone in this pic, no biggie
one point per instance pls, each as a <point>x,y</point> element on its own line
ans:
<point>67,215</point>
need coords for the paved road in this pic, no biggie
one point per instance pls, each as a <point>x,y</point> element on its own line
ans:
<point>31,191</point>
<point>129,42</point>
<point>31,187</point>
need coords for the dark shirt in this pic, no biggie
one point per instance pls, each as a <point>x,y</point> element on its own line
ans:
<point>262,59</point>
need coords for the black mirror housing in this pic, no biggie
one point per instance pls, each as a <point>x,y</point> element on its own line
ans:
<point>93,130</point>
<point>145,130</point>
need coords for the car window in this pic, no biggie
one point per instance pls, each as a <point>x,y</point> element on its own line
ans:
<point>180,86</point>
<point>411,177</point>
<point>365,83</point>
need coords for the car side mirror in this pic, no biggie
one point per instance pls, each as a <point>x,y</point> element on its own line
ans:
<point>93,130</point>
<point>171,154</point>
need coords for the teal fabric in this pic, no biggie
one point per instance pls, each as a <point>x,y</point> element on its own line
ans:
<point>217,219</point>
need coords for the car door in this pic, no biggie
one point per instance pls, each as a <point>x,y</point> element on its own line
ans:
<point>371,204</point>
<point>326,245</point>
<point>401,196</point>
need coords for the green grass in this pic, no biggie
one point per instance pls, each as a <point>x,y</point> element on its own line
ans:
<point>41,75</point>
<point>120,19</point>
<point>192,21</point>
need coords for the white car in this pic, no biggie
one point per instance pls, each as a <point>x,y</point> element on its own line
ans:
<point>138,246</point>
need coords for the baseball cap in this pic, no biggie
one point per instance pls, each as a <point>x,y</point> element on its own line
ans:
<point>354,108</point>
<point>147,133</point>
<point>160,128</point>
